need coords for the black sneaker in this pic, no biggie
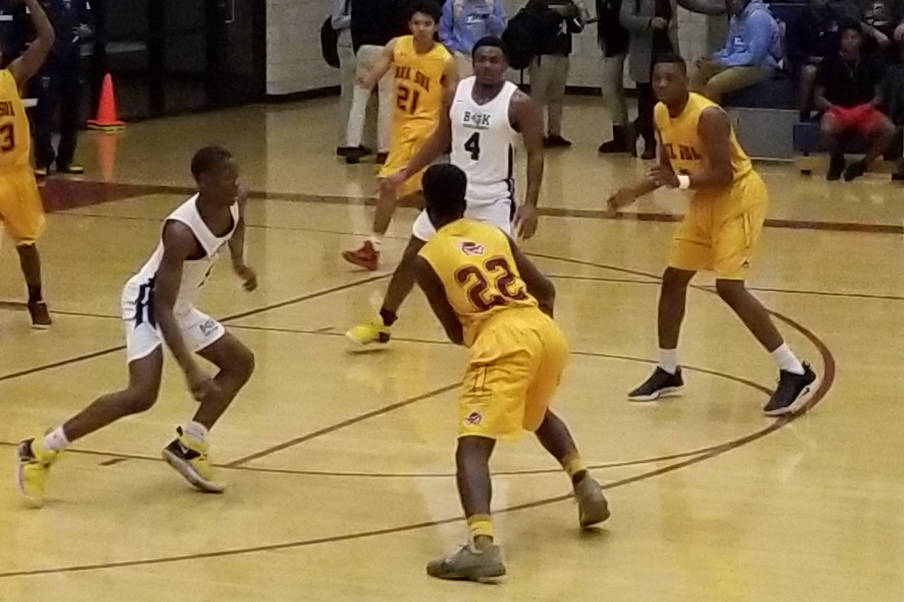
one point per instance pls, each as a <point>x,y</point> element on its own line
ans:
<point>836,167</point>
<point>355,154</point>
<point>40,317</point>
<point>660,384</point>
<point>793,392</point>
<point>556,141</point>
<point>854,170</point>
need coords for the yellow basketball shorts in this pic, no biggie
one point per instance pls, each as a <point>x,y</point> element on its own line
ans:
<point>720,232</point>
<point>514,368</point>
<point>406,142</point>
<point>21,207</point>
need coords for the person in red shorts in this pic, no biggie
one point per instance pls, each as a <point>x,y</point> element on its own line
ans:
<point>848,92</point>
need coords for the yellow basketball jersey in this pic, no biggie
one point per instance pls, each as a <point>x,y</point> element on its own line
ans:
<point>418,78</point>
<point>475,264</point>
<point>681,140</point>
<point>15,137</point>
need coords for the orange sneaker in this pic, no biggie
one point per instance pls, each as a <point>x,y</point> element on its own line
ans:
<point>366,257</point>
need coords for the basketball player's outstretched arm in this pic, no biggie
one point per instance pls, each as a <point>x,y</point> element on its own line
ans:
<point>30,62</point>
<point>178,245</point>
<point>436,296</point>
<point>537,283</point>
<point>433,147</point>
<point>370,79</point>
<point>526,118</point>
<point>237,249</point>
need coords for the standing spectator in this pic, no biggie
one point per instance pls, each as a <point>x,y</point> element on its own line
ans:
<point>612,38</point>
<point>58,87</point>
<point>811,37</point>
<point>848,93</point>
<point>549,69</point>
<point>342,24</point>
<point>373,24</point>
<point>653,25</point>
<point>464,22</point>
<point>751,53</point>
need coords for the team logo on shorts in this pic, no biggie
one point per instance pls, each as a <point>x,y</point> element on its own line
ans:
<point>474,418</point>
<point>208,327</point>
<point>471,248</point>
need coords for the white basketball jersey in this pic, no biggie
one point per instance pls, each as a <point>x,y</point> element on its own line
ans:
<point>483,142</point>
<point>194,271</point>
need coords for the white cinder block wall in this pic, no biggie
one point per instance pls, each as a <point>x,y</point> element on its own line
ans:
<point>294,63</point>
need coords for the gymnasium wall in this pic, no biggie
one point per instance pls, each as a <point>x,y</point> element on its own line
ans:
<point>294,63</point>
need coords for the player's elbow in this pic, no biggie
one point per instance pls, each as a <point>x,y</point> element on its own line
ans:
<point>724,176</point>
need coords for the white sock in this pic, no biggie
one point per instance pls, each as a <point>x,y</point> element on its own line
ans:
<point>55,440</point>
<point>376,240</point>
<point>786,360</point>
<point>196,431</point>
<point>668,360</point>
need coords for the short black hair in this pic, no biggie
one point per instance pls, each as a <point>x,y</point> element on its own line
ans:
<point>425,7</point>
<point>847,24</point>
<point>208,158</point>
<point>490,42</point>
<point>444,189</point>
<point>672,59</point>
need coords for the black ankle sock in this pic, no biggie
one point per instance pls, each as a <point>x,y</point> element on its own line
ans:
<point>388,317</point>
<point>34,294</point>
<point>578,477</point>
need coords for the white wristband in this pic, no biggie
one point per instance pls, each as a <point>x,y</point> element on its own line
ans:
<point>684,181</point>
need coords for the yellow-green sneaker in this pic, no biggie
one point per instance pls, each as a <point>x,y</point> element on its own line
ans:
<point>33,470</point>
<point>189,458</point>
<point>370,336</point>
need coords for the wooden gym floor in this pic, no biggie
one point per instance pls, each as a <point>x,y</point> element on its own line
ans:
<point>340,467</point>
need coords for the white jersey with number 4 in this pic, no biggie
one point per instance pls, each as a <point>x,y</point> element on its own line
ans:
<point>195,270</point>
<point>483,142</point>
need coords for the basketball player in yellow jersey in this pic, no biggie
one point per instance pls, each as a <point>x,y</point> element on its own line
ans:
<point>490,298</point>
<point>21,208</point>
<point>698,151</point>
<point>423,69</point>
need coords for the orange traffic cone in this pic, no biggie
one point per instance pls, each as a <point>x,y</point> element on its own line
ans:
<point>106,111</point>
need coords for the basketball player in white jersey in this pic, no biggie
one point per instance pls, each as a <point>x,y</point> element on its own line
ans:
<point>482,120</point>
<point>157,307</point>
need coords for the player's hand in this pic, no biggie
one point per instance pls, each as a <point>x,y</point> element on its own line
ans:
<point>248,276</point>
<point>899,33</point>
<point>526,221</point>
<point>200,384</point>
<point>662,176</point>
<point>622,198</point>
<point>392,182</point>
<point>658,23</point>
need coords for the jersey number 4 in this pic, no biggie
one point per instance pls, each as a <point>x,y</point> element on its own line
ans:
<point>484,295</point>
<point>472,145</point>
<point>7,138</point>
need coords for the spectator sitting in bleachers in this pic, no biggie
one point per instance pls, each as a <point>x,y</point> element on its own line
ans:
<point>750,55</point>
<point>880,21</point>
<point>893,104</point>
<point>848,93</point>
<point>811,37</point>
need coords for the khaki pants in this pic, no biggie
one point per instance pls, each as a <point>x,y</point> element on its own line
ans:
<point>613,88</point>
<point>366,59</point>
<point>464,64</point>
<point>548,76</point>
<point>712,80</point>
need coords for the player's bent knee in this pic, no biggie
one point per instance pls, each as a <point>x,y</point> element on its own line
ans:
<point>245,363</point>
<point>141,399</point>
<point>730,290</point>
